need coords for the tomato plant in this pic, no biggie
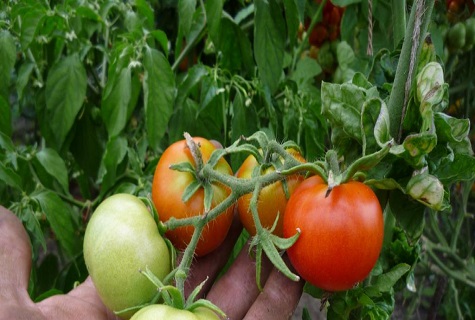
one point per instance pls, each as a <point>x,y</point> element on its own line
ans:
<point>167,193</point>
<point>341,232</point>
<point>272,198</point>
<point>121,239</point>
<point>163,312</point>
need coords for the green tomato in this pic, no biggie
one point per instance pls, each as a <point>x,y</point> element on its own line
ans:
<point>163,312</point>
<point>121,240</point>
<point>456,36</point>
<point>469,33</point>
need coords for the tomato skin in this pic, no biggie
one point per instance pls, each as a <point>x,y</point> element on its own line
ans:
<point>164,312</point>
<point>167,190</point>
<point>272,199</point>
<point>341,234</point>
<point>122,238</point>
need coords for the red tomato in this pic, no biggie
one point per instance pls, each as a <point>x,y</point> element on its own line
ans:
<point>167,190</point>
<point>341,234</point>
<point>272,198</point>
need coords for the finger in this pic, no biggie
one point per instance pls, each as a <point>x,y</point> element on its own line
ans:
<point>15,258</point>
<point>82,302</point>
<point>237,289</point>
<point>208,267</point>
<point>278,299</point>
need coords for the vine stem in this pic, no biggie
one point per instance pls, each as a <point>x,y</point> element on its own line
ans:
<point>414,35</point>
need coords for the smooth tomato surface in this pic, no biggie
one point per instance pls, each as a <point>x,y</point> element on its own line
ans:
<point>121,239</point>
<point>167,190</point>
<point>272,198</point>
<point>341,235</point>
<point>164,312</point>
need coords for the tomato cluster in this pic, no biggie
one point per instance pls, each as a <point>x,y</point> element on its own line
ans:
<point>340,227</point>
<point>328,29</point>
<point>459,9</point>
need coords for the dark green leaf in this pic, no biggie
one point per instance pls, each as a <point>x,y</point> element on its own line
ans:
<point>409,213</point>
<point>7,61</point>
<point>269,42</point>
<point>5,117</point>
<point>415,148</point>
<point>23,77</point>
<point>60,217</point>
<point>292,19</point>
<point>214,10</point>
<point>145,11</point>
<point>6,143</point>
<point>344,3</point>
<point>54,166</point>
<point>451,129</point>
<point>32,225</point>
<point>31,16</point>
<point>385,282</point>
<point>88,13</point>
<point>305,70</point>
<point>65,94</point>
<point>159,95</point>
<point>162,39</point>
<point>186,9</point>
<point>461,168</point>
<point>114,154</point>
<point>235,47</point>
<point>10,177</point>
<point>194,76</point>
<point>115,102</point>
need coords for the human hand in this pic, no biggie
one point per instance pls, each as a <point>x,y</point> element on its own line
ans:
<point>236,292</point>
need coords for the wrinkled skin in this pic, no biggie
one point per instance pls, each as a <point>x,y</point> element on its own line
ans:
<point>235,293</point>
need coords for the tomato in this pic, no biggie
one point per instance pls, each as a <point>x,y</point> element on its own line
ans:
<point>161,311</point>
<point>167,190</point>
<point>121,239</point>
<point>341,234</point>
<point>272,198</point>
<point>456,36</point>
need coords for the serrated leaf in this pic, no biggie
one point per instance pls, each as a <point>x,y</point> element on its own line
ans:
<point>159,95</point>
<point>60,217</point>
<point>54,166</point>
<point>65,93</point>
<point>269,42</point>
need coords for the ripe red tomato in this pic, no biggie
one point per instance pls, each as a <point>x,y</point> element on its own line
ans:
<point>167,190</point>
<point>341,234</point>
<point>272,198</point>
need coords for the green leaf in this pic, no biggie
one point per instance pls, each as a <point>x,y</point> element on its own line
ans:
<point>269,42</point>
<point>60,217</point>
<point>6,142</point>
<point>31,15</point>
<point>54,165</point>
<point>5,117</point>
<point>7,61</point>
<point>428,190</point>
<point>159,95</point>
<point>415,148</point>
<point>235,47</point>
<point>162,39</point>
<point>186,9</point>
<point>409,213</point>
<point>344,3</point>
<point>115,102</point>
<point>10,177</point>
<point>32,225</point>
<point>386,281</point>
<point>65,94</point>
<point>23,77</point>
<point>214,11</point>
<point>114,154</point>
<point>460,168</point>
<point>374,124</point>
<point>193,77</point>
<point>293,20</point>
<point>305,70</point>
<point>451,129</point>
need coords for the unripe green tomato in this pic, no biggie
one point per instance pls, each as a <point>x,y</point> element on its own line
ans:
<point>469,33</point>
<point>164,312</point>
<point>456,36</point>
<point>121,240</point>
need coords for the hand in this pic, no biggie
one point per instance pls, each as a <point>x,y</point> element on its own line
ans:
<point>236,292</point>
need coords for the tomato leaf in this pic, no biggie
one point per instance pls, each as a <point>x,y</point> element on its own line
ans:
<point>65,94</point>
<point>459,168</point>
<point>214,11</point>
<point>55,166</point>
<point>408,212</point>
<point>60,217</point>
<point>186,9</point>
<point>115,102</point>
<point>114,154</point>
<point>451,129</point>
<point>10,177</point>
<point>159,95</point>
<point>7,61</point>
<point>5,117</point>
<point>27,215</point>
<point>293,20</point>
<point>386,281</point>
<point>269,42</point>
